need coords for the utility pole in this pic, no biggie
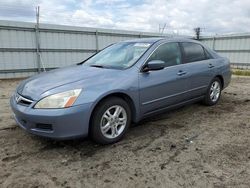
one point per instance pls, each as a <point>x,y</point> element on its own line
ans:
<point>38,39</point>
<point>197,31</point>
<point>161,29</point>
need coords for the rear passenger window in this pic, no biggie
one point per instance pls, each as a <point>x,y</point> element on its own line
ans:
<point>193,52</point>
<point>169,53</point>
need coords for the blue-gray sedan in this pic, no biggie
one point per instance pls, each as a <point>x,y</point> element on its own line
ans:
<point>123,83</point>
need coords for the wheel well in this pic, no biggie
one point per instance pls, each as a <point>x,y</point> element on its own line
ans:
<point>221,80</point>
<point>123,96</point>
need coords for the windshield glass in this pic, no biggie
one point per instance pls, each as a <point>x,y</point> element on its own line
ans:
<point>120,55</point>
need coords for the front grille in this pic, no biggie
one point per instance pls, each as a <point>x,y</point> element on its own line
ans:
<point>22,100</point>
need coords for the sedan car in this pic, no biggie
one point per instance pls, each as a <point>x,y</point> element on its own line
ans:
<point>123,83</point>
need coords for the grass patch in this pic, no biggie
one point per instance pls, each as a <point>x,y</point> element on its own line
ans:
<point>240,72</point>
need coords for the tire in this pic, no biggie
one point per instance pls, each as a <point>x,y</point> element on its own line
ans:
<point>212,99</point>
<point>106,127</point>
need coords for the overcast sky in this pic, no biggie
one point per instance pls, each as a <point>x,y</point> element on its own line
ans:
<point>180,16</point>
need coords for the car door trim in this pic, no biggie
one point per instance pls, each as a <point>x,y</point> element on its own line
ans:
<point>173,106</point>
<point>169,96</point>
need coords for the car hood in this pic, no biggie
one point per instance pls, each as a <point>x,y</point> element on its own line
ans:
<point>35,86</point>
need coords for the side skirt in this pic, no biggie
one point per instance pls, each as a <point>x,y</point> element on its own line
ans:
<point>168,108</point>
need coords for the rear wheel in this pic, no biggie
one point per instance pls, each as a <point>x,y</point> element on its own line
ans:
<point>213,93</point>
<point>110,121</point>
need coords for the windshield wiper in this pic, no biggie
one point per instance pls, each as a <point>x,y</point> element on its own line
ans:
<point>98,66</point>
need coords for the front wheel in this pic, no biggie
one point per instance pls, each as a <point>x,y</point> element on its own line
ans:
<point>110,121</point>
<point>213,93</point>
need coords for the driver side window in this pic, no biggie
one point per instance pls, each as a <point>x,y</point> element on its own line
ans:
<point>170,53</point>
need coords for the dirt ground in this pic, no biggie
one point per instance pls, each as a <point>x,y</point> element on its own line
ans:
<point>194,146</point>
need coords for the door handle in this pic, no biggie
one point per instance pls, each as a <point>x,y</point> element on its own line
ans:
<point>180,73</point>
<point>210,66</point>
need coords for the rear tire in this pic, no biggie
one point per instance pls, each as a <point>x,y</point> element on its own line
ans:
<point>110,121</point>
<point>213,92</point>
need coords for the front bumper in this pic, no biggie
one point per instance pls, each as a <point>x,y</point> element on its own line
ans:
<point>53,123</point>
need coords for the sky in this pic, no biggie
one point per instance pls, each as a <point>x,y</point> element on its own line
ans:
<point>178,16</point>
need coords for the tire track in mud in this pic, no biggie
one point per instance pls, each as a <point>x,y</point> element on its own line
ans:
<point>11,158</point>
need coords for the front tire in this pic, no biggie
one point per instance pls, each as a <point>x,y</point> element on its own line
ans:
<point>213,92</point>
<point>110,120</point>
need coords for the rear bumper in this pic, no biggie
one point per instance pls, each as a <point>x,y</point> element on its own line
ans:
<point>53,123</point>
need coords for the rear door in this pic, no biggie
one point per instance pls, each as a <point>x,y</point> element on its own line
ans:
<point>200,66</point>
<point>162,88</point>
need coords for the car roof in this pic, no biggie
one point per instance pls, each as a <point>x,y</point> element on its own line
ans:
<point>149,40</point>
<point>166,39</point>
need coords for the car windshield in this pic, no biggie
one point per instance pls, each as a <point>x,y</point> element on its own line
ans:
<point>119,56</point>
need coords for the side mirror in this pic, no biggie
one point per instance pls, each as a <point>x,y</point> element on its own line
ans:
<point>154,65</point>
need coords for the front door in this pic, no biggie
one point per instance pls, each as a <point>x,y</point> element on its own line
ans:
<point>162,88</point>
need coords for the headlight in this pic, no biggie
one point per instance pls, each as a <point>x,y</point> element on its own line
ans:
<point>59,100</point>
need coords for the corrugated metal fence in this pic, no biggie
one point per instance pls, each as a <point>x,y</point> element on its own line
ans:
<point>234,47</point>
<point>24,50</point>
<point>23,53</point>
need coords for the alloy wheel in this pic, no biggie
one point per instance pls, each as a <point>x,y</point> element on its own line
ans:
<point>215,91</point>
<point>113,121</point>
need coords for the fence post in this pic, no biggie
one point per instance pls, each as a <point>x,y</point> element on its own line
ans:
<point>213,43</point>
<point>37,41</point>
<point>96,41</point>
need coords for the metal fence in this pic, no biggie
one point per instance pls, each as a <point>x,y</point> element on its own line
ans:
<point>25,49</point>
<point>234,47</point>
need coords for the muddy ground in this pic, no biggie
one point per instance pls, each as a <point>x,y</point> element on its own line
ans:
<point>194,146</point>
